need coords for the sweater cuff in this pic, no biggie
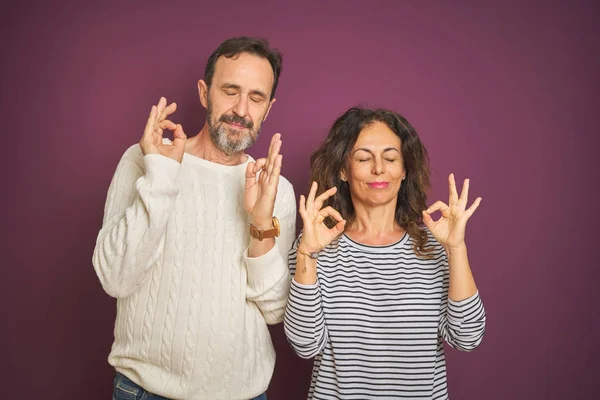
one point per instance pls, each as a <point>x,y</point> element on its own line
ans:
<point>305,289</point>
<point>160,168</point>
<point>268,267</point>
<point>460,311</point>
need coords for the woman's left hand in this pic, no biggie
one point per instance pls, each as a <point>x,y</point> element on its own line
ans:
<point>449,230</point>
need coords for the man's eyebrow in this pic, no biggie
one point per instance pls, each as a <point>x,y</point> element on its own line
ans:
<point>230,86</point>
<point>258,93</point>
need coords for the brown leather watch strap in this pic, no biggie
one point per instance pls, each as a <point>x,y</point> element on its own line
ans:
<point>265,234</point>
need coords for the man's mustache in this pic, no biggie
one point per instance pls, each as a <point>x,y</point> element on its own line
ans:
<point>236,119</point>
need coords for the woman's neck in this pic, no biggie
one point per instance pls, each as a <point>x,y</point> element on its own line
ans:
<point>375,225</point>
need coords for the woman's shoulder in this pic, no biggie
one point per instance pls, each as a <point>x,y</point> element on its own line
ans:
<point>431,245</point>
<point>431,240</point>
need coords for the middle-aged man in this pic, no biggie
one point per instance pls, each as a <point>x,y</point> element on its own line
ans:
<point>195,239</point>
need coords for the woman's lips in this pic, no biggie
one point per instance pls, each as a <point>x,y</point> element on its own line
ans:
<point>378,185</point>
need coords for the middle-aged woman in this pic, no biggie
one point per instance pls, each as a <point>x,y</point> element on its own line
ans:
<point>374,292</point>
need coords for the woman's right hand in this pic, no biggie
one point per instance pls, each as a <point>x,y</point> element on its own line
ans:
<point>316,235</point>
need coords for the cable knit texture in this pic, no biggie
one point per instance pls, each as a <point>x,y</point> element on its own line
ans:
<point>192,307</point>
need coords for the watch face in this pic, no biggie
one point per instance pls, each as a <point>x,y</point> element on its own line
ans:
<point>313,255</point>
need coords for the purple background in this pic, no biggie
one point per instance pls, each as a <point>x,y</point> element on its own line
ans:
<point>505,94</point>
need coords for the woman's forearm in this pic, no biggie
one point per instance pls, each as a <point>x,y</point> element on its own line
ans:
<point>462,283</point>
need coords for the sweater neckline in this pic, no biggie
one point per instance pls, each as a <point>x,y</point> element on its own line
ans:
<point>201,162</point>
<point>376,248</point>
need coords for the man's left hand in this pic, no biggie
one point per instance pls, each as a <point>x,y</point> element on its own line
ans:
<point>259,194</point>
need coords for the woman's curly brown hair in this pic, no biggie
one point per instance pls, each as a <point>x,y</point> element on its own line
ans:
<point>332,157</point>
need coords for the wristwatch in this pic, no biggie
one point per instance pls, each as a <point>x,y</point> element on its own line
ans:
<point>265,234</point>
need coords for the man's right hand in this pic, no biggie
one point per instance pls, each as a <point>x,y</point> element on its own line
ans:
<point>152,141</point>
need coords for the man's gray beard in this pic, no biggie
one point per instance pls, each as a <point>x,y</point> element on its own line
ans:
<point>219,135</point>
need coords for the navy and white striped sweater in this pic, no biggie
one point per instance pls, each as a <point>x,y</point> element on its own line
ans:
<point>375,321</point>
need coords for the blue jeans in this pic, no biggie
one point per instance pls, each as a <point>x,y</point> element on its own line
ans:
<point>125,389</point>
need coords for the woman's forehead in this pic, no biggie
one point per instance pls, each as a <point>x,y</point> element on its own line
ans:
<point>377,135</point>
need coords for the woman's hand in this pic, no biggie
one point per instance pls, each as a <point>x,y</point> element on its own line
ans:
<point>316,235</point>
<point>449,230</point>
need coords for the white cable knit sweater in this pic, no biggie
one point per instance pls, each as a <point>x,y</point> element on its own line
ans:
<point>192,308</point>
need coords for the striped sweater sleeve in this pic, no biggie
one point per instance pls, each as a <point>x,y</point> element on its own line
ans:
<point>462,323</point>
<point>304,321</point>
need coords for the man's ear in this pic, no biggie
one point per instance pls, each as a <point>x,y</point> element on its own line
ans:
<point>203,93</point>
<point>269,108</point>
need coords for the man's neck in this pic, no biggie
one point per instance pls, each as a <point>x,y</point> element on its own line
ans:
<point>203,147</point>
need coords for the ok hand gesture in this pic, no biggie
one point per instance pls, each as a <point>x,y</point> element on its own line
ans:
<point>449,230</point>
<point>259,194</point>
<point>152,140</point>
<point>316,235</point>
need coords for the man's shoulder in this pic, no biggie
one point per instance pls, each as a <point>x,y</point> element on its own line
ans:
<point>285,184</point>
<point>286,199</point>
<point>285,190</point>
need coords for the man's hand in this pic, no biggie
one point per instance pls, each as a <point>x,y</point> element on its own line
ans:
<point>152,140</point>
<point>259,194</point>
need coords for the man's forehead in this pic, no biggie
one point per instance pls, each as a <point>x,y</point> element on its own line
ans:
<point>245,70</point>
